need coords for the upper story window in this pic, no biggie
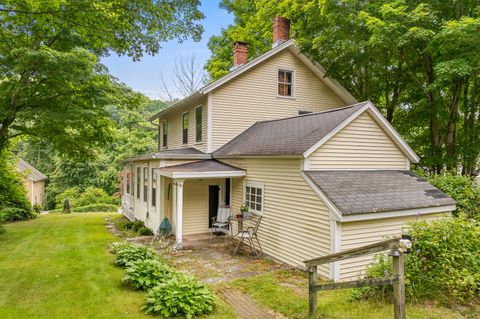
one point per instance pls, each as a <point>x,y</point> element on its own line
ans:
<point>185,128</point>
<point>145,184</point>
<point>198,124</point>
<point>165,134</point>
<point>285,83</point>
<point>254,194</point>
<point>138,182</point>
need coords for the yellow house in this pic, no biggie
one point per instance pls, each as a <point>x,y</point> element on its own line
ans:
<point>34,181</point>
<point>326,172</point>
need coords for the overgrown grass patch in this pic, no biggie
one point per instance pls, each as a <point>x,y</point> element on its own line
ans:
<point>286,292</point>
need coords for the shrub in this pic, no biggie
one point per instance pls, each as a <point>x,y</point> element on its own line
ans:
<point>133,252</point>
<point>144,231</point>
<point>137,225</point>
<point>180,296</point>
<point>146,274</point>
<point>66,206</point>
<point>118,245</point>
<point>72,194</point>
<point>444,264</point>
<point>96,208</point>
<point>12,188</point>
<point>93,195</point>
<point>10,214</point>
<point>465,190</point>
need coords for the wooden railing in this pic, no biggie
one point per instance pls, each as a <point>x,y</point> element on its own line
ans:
<point>397,247</point>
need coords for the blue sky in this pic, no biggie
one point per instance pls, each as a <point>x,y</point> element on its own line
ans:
<point>144,75</point>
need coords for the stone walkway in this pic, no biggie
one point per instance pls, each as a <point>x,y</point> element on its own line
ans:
<point>213,264</point>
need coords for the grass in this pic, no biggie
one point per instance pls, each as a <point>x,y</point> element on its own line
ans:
<point>58,266</point>
<point>286,292</point>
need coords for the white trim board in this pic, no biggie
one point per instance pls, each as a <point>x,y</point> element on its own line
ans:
<point>185,175</point>
<point>378,117</point>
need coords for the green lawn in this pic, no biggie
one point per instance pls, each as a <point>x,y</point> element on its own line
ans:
<point>286,292</point>
<point>58,266</point>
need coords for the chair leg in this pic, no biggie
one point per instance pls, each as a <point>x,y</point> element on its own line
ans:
<point>260,250</point>
<point>238,245</point>
<point>250,243</point>
<point>211,236</point>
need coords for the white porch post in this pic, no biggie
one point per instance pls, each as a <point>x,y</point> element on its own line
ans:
<point>179,214</point>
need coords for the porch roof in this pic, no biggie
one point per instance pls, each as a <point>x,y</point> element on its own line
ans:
<point>179,153</point>
<point>202,169</point>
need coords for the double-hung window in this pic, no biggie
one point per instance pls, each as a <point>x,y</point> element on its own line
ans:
<point>254,194</point>
<point>165,134</point>
<point>128,182</point>
<point>198,124</point>
<point>285,83</point>
<point>145,184</point>
<point>138,182</point>
<point>154,188</point>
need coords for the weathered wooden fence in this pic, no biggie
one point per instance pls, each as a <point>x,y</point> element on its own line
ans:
<point>397,247</point>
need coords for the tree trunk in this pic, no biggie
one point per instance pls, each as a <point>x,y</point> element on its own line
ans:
<point>451,134</point>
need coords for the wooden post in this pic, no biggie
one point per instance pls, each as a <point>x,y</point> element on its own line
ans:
<point>398,288</point>
<point>312,291</point>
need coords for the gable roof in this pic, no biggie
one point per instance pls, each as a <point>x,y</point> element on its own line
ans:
<point>302,135</point>
<point>360,192</point>
<point>287,136</point>
<point>202,169</point>
<point>290,45</point>
<point>30,171</point>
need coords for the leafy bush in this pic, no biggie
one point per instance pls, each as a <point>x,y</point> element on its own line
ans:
<point>72,194</point>
<point>93,195</point>
<point>137,225</point>
<point>444,264</point>
<point>2,229</point>
<point>10,214</point>
<point>37,208</point>
<point>465,190</point>
<point>66,206</point>
<point>118,245</point>
<point>180,296</point>
<point>144,231</point>
<point>133,252</point>
<point>148,273</point>
<point>96,208</point>
<point>12,189</point>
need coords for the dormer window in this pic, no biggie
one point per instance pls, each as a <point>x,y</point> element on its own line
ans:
<point>285,83</point>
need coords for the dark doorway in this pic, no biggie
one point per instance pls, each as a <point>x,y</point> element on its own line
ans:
<point>227,191</point>
<point>213,195</point>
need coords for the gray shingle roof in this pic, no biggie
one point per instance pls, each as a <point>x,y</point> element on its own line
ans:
<point>289,136</point>
<point>179,153</point>
<point>30,171</point>
<point>356,192</point>
<point>202,166</point>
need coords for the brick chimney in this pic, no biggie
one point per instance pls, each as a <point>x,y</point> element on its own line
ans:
<point>281,30</point>
<point>240,54</point>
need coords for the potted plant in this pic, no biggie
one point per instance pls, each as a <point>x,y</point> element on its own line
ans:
<point>244,209</point>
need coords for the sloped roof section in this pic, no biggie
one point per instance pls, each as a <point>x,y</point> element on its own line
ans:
<point>179,153</point>
<point>30,171</point>
<point>360,192</point>
<point>289,136</point>
<point>206,168</point>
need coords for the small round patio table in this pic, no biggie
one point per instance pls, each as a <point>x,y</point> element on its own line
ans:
<point>239,219</point>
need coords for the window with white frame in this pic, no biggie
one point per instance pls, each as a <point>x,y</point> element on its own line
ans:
<point>165,134</point>
<point>145,184</point>
<point>138,181</point>
<point>154,188</point>
<point>285,83</point>
<point>185,128</point>
<point>254,194</point>
<point>198,124</point>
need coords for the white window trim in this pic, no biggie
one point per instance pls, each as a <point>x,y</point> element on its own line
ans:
<point>255,185</point>
<point>293,84</point>
<point>188,127</point>
<point>201,122</point>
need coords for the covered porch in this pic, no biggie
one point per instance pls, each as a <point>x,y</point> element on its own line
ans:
<point>191,194</point>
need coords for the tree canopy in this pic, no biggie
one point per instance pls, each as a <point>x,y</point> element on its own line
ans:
<point>52,86</point>
<point>418,61</point>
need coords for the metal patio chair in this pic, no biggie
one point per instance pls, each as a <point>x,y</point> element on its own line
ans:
<point>251,235</point>
<point>220,222</point>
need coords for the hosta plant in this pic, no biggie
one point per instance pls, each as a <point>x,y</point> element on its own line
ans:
<point>180,296</point>
<point>133,252</point>
<point>146,274</point>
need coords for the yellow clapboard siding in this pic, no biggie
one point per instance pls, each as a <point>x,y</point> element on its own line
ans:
<point>175,133</point>
<point>296,224</point>
<point>253,97</point>
<point>357,234</point>
<point>360,145</point>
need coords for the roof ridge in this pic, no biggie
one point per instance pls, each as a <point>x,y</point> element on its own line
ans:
<point>314,113</point>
